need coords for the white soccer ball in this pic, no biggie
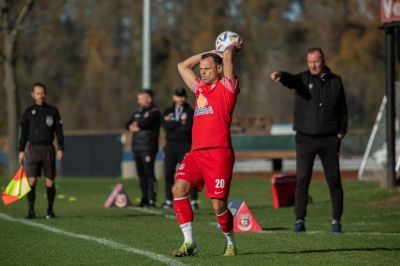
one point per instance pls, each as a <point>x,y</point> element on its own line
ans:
<point>225,39</point>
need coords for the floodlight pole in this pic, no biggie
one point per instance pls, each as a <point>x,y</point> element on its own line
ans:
<point>391,114</point>
<point>146,49</point>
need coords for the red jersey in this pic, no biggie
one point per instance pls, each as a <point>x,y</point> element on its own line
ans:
<point>213,111</point>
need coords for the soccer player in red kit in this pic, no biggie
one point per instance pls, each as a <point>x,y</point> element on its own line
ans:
<point>210,162</point>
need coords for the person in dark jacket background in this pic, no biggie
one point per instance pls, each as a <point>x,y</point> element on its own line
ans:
<point>320,120</point>
<point>177,122</point>
<point>38,125</point>
<point>145,125</point>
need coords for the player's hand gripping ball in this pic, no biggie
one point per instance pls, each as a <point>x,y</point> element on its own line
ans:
<point>225,39</point>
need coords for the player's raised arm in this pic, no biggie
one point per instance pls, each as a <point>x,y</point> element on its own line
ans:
<point>228,59</point>
<point>186,67</point>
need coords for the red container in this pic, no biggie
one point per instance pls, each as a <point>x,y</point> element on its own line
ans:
<point>283,189</point>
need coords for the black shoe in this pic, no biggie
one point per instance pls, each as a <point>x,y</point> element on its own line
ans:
<point>31,215</point>
<point>50,215</point>
<point>336,227</point>
<point>166,206</point>
<point>143,204</point>
<point>299,227</point>
<point>194,205</point>
<point>152,204</point>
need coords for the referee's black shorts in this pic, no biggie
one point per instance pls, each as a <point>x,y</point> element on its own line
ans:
<point>38,157</point>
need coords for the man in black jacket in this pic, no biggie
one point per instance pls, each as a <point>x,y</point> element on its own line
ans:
<point>320,120</point>
<point>38,125</point>
<point>177,122</point>
<point>145,125</point>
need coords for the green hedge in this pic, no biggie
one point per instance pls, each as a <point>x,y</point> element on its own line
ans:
<point>351,144</point>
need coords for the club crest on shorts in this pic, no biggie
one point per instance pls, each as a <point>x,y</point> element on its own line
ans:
<point>147,158</point>
<point>244,222</point>
<point>121,200</point>
<point>181,166</point>
<point>49,120</point>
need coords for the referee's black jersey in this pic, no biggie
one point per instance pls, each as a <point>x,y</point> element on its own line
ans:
<point>38,123</point>
<point>175,130</point>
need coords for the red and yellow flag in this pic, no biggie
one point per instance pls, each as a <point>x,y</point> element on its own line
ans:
<point>17,188</point>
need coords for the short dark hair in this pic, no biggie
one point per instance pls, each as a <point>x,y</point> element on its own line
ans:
<point>217,58</point>
<point>316,49</point>
<point>181,92</point>
<point>38,84</point>
<point>148,92</point>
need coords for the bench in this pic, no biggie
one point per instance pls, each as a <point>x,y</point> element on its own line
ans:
<point>270,147</point>
<point>275,156</point>
<point>264,154</point>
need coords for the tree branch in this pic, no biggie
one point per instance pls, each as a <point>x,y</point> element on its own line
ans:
<point>28,5</point>
<point>2,7</point>
<point>3,16</point>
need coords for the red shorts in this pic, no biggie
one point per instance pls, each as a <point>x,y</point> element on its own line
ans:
<point>212,167</point>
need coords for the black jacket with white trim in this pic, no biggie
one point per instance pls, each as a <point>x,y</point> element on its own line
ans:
<point>149,121</point>
<point>175,129</point>
<point>320,103</point>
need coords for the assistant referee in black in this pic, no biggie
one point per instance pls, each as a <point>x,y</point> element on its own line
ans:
<point>145,125</point>
<point>39,123</point>
<point>177,122</point>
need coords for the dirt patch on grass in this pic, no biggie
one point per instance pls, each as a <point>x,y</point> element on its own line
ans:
<point>316,176</point>
<point>389,202</point>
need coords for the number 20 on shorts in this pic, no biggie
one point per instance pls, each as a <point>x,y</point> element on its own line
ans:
<point>219,183</point>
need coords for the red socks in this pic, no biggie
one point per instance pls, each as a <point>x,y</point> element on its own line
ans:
<point>225,220</point>
<point>184,214</point>
<point>183,210</point>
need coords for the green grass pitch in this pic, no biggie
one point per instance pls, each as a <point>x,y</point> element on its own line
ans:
<point>86,233</point>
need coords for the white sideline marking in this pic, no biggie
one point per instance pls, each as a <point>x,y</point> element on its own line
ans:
<point>98,240</point>
<point>158,213</point>
<point>371,233</point>
<point>328,232</point>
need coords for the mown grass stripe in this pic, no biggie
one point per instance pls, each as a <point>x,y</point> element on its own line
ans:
<point>98,240</point>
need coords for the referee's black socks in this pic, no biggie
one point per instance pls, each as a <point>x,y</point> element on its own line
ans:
<point>51,194</point>
<point>31,196</point>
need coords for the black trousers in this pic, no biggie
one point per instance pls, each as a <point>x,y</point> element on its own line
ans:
<point>327,148</point>
<point>147,178</point>
<point>174,152</point>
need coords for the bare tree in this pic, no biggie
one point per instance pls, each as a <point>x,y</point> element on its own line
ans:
<point>10,31</point>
